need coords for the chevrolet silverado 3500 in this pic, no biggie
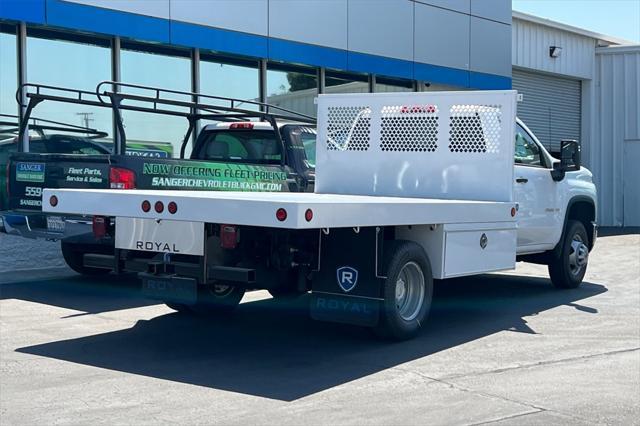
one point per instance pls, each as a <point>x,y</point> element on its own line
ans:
<point>409,188</point>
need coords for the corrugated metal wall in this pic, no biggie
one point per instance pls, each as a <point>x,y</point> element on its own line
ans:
<point>615,150</point>
<point>530,49</point>
<point>551,106</point>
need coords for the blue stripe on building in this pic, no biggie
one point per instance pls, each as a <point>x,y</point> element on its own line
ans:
<point>219,40</point>
<point>362,62</point>
<point>106,21</point>
<point>479,80</point>
<point>291,51</point>
<point>31,11</point>
<point>445,75</point>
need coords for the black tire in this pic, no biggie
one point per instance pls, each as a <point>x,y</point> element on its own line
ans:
<point>73,253</point>
<point>393,323</point>
<point>567,270</point>
<point>220,299</point>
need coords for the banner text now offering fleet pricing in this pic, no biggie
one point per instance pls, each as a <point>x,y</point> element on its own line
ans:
<point>215,176</point>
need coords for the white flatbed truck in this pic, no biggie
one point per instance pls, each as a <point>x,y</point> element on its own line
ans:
<point>409,188</point>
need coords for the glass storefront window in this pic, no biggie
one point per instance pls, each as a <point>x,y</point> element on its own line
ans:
<point>231,79</point>
<point>73,64</point>
<point>292,88</point>
<point>384,84</point>
<point>336,82</point>
<point>8,73</point>
<point>157,135</point>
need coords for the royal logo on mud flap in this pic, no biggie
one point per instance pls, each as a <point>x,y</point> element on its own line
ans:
<point>347,278</point>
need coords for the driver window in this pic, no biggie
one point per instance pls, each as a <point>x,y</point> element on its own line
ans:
<point>526,151</point>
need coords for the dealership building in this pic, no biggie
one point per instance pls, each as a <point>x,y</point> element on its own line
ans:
<point>575,84</point>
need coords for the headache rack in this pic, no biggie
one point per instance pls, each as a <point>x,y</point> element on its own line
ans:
<point>134,97</point>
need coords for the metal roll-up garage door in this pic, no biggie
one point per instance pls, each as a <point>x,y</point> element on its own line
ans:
<point>550,106</point>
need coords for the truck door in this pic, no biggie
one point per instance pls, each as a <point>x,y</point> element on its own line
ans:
<point>535,193</point>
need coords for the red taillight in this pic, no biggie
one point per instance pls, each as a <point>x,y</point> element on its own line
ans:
<point>228,236</point>
<point>120,178</point>
<point>146,206</point>
<point>246,125</point>
<point>53,200</point>
<point>513,211</point>
<point>308,215</point>
<point>172,207</point>
<point>159,207</point>
<point>281,214</point>
<point>99,226</point>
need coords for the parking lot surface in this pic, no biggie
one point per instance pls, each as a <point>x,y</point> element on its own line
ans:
<point>499,348</point>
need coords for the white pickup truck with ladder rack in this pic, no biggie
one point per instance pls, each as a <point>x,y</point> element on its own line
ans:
<point>409,188</point>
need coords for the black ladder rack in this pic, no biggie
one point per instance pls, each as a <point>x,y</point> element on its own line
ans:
<point>155,100</point>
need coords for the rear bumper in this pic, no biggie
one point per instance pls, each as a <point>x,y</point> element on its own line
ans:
<point>34,226</point>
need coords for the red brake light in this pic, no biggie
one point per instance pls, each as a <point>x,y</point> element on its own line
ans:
<point>281,214</point>
<point>172,207</point>
<point>120,178</point>
<point>146,206</point>
<point>308,215</point>
<point>228,236</point>
<point>246,125</point>
<point>159,207</point>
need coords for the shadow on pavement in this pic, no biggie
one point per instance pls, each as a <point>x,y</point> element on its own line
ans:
<point>91,295</point>
<point>272,349</point>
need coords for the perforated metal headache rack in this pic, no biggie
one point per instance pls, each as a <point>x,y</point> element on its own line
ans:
<point>10,124</point>
<point>155,100</point>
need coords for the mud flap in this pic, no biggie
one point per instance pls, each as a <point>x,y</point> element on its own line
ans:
<point>169,288</point>
<point>348,286</point>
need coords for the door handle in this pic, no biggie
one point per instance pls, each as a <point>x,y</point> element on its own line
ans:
<point>522,180</point>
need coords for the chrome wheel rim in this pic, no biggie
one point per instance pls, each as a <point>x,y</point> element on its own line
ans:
<point>409,291</point>
<point>578,255</point>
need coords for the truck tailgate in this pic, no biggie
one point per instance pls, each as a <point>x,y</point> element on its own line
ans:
<point>29,174</point>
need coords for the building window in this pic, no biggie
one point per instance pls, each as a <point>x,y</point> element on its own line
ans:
<point>62,60</point>
<point>337,82</point>
<point>293,88</point>
<point>8,71</point>
<point>156,135</point>
<point>230,78</point>
<point>384,84</point>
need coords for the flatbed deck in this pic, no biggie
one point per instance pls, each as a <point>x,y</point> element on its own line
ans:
<point>259,208</point>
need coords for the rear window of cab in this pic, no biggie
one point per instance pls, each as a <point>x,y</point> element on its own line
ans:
<point>240,146</point>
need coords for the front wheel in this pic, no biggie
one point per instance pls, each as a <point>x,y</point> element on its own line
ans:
<point>568,269</point>
<point>408,291</point>
<point>219,299</point>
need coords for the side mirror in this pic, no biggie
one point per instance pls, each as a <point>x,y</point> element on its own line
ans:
<point>570,156</point>
<point>570,159</point>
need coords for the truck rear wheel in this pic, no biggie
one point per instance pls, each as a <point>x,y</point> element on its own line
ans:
<point>73,256</point>
<point>408,291</point>
<point>568,269</point>
<point>221,298</point>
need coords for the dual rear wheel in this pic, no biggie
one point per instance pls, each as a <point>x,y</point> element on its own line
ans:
<point>407,291</point>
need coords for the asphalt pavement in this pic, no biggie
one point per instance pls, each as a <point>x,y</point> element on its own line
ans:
<point>498,349</point>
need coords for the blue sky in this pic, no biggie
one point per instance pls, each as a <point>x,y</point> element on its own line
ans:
<point>618,18</point>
